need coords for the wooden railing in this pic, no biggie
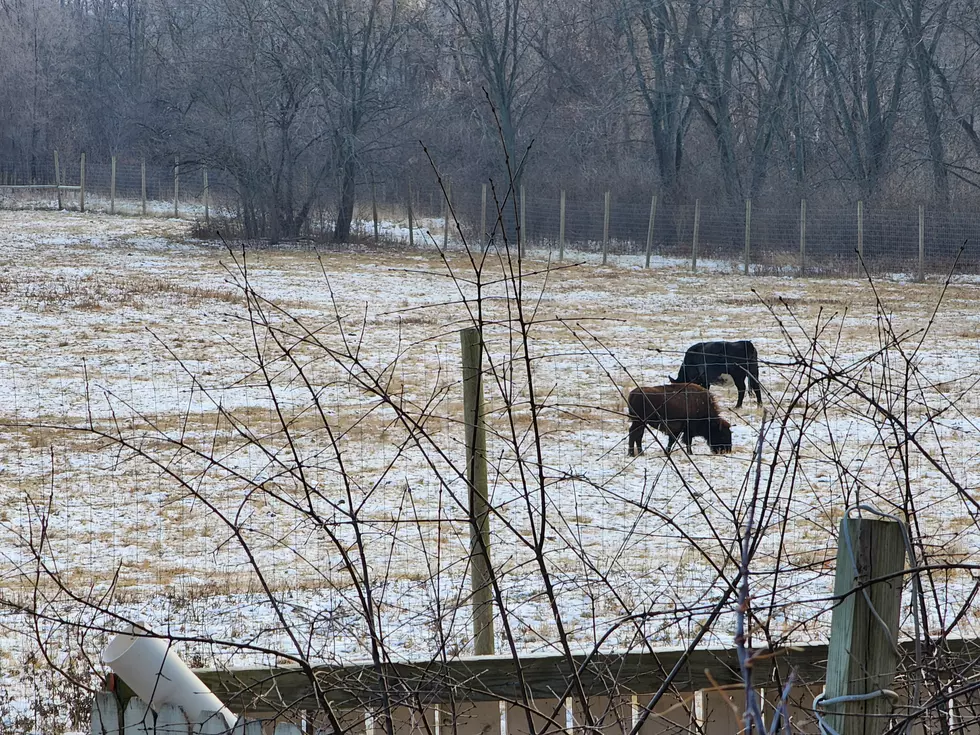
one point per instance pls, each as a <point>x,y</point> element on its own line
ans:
<point>480,696</point>
<point>702,689</point>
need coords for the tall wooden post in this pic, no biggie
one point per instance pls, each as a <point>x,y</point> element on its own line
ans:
<point>176,185</point>
<point>561,227</point>
<point>446,211</point>
<point>143,184</point>
<point>471,344</point>
<point>523,237</point>
<point>860,234</point>
<point>81,184</point>
<point>802,237</point>
<point>484,235</point>
<point>862,657</point>
<point>112,187</point>
<point>748,234</point>
<point>207,199</point>
<point>694,246</point>
<point>374,212</point>
<point>411,220</point>
<point>920,275</point>
<point>605,230</point>
<point>650,225</point>
<point>57,179</point>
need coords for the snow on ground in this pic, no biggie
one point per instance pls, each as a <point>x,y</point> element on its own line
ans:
<point>129,327</point>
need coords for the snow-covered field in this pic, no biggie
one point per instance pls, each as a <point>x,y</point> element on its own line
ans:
<point>140,340</point>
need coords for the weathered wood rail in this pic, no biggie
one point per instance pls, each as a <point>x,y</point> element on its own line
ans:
<point>494,678</point>
<point>861,675</point>
<point>480,696</point>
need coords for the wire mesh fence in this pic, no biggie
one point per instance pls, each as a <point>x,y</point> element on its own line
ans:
<point>790,241</point>
<point>123,185</point>
<point>625,539</point>
<point>741,237</point>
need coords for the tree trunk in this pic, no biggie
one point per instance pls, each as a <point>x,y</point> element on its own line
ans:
<point>922,63</point>
<point>659,44</point>
<point>348,190</point>
<point>715,77</point>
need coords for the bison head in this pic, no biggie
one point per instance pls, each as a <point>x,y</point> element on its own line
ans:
<point>720,437</point>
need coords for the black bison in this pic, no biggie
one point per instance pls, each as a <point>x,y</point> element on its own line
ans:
<point>680,410</point>
<point>705,363</point>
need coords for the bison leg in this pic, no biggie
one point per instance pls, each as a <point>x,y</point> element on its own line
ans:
<point>756,388</point>
<point>739,378</point>
<point>636,437</point>
<point>753,372</point>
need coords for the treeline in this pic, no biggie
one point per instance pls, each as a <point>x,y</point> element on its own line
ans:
<point>301,102</point>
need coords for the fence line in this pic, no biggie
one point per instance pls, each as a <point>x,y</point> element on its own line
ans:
<point>618,692</point>
<point>790,241</point>
<point>182,188</point>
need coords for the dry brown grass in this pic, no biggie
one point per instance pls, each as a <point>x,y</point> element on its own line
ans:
<point>645,318</point>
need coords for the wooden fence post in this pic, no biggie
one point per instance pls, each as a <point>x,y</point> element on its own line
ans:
<point>176,185</point>
<point>748,234</point>
<point>694,246</point>
<point>112,187</point>
<point>605,229</point>
<point>860,234</point>
<point>374,212</point>
<point>445,220</point>
<point>411,220</point>
<point>920,275</point>
<point>862,657</point>
<point>57,179</point>
<point>471,344</point>
<point>81,184</point>
<point>143,184</point>
<point>484,235</point>
<point>802,237</point>
<point>207,199</point>
<point>650,225</point>
<point>522,240</point>
<point>561,227</point>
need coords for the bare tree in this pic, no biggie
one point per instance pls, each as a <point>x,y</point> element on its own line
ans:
<point>35,39</point>
<point>242,100</point>
<point>495,42</point>
<point>351,47</point>
<point>863,59</point>
<point>748,62</point>
<point>923,24</point>
<point>659,37</point>
<point>113,75</point>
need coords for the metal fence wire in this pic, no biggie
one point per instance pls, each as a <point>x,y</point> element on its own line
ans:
<point>803,240</point>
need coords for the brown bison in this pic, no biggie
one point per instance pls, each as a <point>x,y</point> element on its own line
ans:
<point>680,410</point>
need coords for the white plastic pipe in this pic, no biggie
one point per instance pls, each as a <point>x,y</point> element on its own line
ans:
<point>157,675</point>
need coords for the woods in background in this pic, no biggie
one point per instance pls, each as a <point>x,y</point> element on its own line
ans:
<point>301,102</point>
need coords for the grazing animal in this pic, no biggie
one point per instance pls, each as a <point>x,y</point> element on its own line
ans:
<point>680,410</point>
<point>705,363</point>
